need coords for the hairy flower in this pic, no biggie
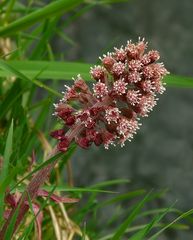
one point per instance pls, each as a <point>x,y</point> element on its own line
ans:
<point>133,96</point>
<point>112,114</point>
<point>128,81</point>
<point>120,87</point>
<point>100,89</point>
<point>118,69</point>
<point>120,54</point>
<point>98,72</point>
<point>108,61</point>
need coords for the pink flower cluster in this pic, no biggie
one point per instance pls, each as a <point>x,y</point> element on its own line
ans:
<point>127,83</point>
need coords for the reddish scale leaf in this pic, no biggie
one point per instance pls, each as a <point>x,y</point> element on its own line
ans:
<point>56,198</point>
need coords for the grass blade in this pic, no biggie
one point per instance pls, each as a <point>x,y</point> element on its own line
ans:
<point>179,81</point>
<point>8,68</point>
<point>5,164</point>
<point>142,226</point>
<point>122,197</point>
<point>155,221</point>
<point>66,70</point>
<point>56,7</point>
<point>51,69</point>
<point>121,230</point>
<point>10,229</point>
<point>8,152</point>
<point>110,183</point>
<point>184,215</point>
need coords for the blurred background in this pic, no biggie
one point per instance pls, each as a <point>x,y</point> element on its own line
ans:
<point>161,155</point>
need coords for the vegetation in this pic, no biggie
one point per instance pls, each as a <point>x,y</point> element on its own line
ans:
<point>31,74</point>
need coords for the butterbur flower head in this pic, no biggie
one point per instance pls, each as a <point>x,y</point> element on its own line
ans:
<point>127,83</point>
<point>108,61</point>
<point>79,84</point>
<point>120,86</point>
<point>120,54</point>
<point>118,69</point>
<point>135,51</point>
<point>133,77</point>
<point>133,97</point>
<point>112,114</point>
<point>98,72</point>
<point>135,65</point>
<point>100,89</point>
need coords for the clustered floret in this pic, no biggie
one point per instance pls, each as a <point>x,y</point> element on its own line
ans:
<point>126,86</point>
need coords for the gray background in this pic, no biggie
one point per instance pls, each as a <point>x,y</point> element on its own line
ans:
<point>161,155</point>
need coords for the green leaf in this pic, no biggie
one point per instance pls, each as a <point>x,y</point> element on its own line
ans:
<point>66,70</point>
<point>110,1</point>
<point>123,197</point>
<point>47,33</point>
<point>76,189</point>
<point>110,183</point>
<point>59,6</point>
<point>140,235</point>
<point>123,227</point>
<point>5,165</point>
<point>10,69</point>
<point>158,211</point>
<point>179,81</point>
<point>31,138</point>
<point>184,215</point>
<point>10,228</point>
<point>10,99</point>
<point>139,227</point>
<point>8,151</point>
<point>49,69</point>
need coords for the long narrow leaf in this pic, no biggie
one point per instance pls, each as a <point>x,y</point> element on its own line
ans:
<point>39,15</point>
<point>10,229</point>
<point>5,164</point>
<point>8,152</point>
<point>123,227</point>
<point>10,69</point>
<point>51,70</point>
<point>140,235</point>
<point>67,70</point>
<point>179,81</point>
<point>139,227</point>
<point>184,215</point>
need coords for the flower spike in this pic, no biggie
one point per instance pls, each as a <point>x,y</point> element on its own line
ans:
<point>127,83</point>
